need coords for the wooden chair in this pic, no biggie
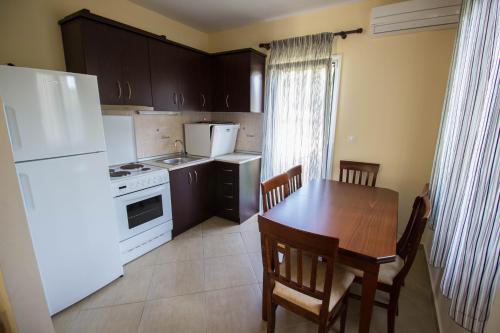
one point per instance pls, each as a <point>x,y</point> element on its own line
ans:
<point>313,289</point>
<point>295,178</point>
<point>392,275</point>
<point>274,191</point>
<point>358,173</point>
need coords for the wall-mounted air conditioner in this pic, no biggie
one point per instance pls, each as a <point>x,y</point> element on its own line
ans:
<point>415,15</point>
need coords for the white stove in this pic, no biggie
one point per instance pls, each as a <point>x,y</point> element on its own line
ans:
<point>131,177</point>
<point>142,202</point>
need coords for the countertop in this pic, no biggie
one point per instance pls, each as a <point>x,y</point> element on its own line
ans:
<point>235,158</point>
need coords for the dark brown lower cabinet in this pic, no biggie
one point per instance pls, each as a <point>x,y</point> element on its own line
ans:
<point>191,189</point>
<point>237,190</point>
<point>224,189</point>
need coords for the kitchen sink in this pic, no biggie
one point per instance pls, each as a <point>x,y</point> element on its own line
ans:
<point>180,160</point>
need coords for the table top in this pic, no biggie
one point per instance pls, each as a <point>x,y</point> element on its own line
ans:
<point>363,218</point>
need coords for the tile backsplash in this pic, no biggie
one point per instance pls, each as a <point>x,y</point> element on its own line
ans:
<point>250,132</point>
<point>156,133</point>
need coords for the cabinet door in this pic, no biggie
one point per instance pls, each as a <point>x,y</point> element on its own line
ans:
<point>220,93</point>
<point>182,196</point>
<point>204,189</point>
<point>103,59</point>
<point>164,69</point>
<point>188,81</point>
<point>237,82</point>
<point>135,70</point>
<point>206,77</point>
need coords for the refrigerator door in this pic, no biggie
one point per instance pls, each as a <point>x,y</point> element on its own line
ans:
<point>73,225</point>
<point>51,114</point>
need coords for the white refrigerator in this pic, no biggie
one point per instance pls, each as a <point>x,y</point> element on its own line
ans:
<point>56,132</point>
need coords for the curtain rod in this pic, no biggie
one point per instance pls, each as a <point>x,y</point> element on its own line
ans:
<point>342,34</point>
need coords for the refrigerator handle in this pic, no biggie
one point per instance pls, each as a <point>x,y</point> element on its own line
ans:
<point>10,116</point>
<point>26,191</point>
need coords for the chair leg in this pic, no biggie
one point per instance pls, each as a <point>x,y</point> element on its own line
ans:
<point>271,317</point>
<point>343,318</point>
<point>391,311</point>
<point>322,328</point>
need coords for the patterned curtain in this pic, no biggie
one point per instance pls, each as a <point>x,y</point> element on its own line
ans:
<point>298,105</point>
<point>465,185</point>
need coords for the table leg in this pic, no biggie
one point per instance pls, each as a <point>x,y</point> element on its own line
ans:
<point>264,290</point>
<point>370,278</point>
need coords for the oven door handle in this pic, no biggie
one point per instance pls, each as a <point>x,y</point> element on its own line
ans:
<point>143,194</point>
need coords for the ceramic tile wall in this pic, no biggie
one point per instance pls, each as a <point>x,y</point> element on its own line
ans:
<point>156,134</point>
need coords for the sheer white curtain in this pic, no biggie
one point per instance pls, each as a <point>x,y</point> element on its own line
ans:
<point>465,186</point>
<point>298,105</point>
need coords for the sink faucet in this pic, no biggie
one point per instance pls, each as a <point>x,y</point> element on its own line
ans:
<point>183,150</point>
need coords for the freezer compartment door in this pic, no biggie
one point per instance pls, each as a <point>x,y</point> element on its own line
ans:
<point>50,114</point>
<point>73,225</point>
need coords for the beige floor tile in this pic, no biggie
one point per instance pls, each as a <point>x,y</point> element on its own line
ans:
<point>176,278</point>
<point>120,319</point>
<point>234,310</point>
<point>250,225</point>
<point>216,245</point>
<point>301,328</point>
<point>252,241</point>
<point>217,225</point>
<point>256,261</point>
<point>148,259</point>
<point>132,287</point>
<point>176,314</point>
<point>193,232</point>
<point>228,271</point>
<point>180,249</point>
<point>64,320</point>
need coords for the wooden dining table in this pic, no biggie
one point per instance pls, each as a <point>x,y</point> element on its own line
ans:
<point>363,218</point>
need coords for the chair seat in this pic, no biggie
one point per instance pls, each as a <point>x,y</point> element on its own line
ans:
<point>387,272</point>
<point>342,280</point>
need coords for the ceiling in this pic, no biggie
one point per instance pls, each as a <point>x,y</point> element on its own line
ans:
<point>217,15</point>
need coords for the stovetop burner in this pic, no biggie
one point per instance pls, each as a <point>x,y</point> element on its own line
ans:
<point>132,166</point>
<point>145,169</point>
<point>115,174</point>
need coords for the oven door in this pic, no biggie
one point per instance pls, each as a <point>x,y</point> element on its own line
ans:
<point>142,210</point>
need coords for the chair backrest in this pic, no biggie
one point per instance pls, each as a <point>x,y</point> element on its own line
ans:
<point>295,178</point>
<point>274,191</point>
<point>416,226</point>
<point>358,173</point>
<point>402,246</point>
<point>309,276</point>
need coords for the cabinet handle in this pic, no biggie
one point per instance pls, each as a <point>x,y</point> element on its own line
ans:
<point>228,184</point>
<point>174,96</point>
<point>229,209</point>
<point>129,90</point>
<point>190,178</point>
<point>227,101</point>
<point>204,101</point>
<point>196,176</point>
<point>228,196</point>
<point>182,98</point>
<point>119,89</point>
<point>227,170</point>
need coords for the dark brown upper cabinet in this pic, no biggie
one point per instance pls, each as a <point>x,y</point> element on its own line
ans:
<point>135,67</point>
<point>174,77</point>
<point>119,58</point>
<point>239,81</point>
